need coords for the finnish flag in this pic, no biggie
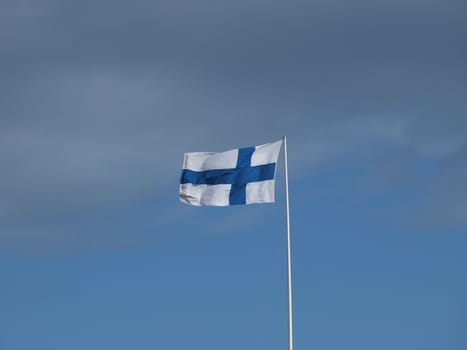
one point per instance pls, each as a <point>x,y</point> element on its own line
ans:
<point>238,176</point>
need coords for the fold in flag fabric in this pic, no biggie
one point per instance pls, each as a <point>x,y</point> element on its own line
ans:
<point>238,176</point>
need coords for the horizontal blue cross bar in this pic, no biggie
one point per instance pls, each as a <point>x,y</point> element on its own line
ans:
<point>229,176</point>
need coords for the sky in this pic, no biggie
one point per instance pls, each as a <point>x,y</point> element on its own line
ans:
<point>100,99</point>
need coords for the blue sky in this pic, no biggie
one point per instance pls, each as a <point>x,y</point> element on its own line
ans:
<point>100,99</point>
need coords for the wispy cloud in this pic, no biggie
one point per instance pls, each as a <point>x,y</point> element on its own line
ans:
<point>99,99</point>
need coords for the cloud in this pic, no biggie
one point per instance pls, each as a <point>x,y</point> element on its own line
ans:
<point>446,204</point>
<point>99,99</point>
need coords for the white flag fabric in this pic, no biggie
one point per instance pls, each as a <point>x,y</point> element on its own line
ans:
<point>238,176</point>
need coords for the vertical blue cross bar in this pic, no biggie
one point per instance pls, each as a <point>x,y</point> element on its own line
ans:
<point>238,191</point>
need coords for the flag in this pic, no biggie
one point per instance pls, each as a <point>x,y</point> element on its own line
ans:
<point>238,176</point>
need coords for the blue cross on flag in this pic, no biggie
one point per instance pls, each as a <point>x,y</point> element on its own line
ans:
<point>238,176</point>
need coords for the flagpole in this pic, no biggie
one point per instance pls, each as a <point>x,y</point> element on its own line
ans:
<point>289,268</point>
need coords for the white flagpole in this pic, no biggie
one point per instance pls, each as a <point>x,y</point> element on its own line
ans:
<point>289,269</point>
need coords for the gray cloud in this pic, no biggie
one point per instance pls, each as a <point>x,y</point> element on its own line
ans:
<point>446,199</point>
<point>96,95</point>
